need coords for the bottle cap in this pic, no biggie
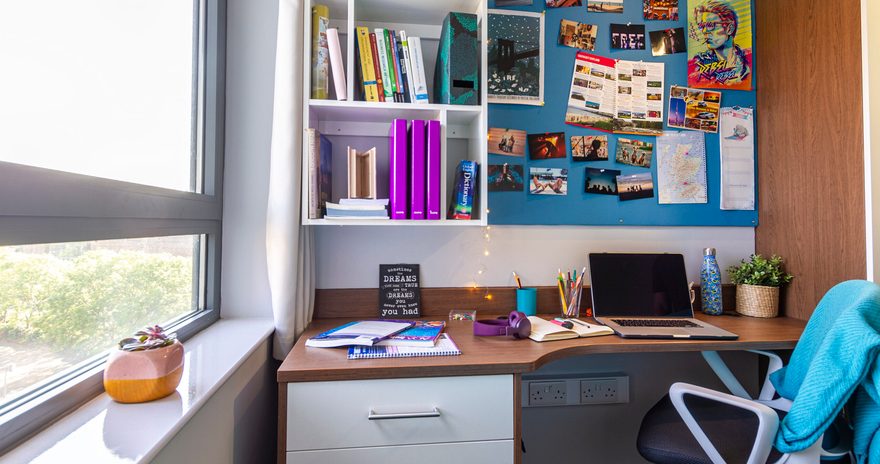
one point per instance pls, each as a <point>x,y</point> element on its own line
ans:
<point>708,252</point>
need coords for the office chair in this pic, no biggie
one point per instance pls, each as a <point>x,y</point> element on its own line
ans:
<point>796,418</point>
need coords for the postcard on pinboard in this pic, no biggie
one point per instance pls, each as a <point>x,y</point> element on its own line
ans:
<point>501,3</point>
<point>516,57</point>
<point>509,142</point>
<point>601,181</point>
<point>635,186</point>
<point>505,177</point>
<point>693,109</point>
<point>547,146</point>
<point>634,152</point>
<point>577,35</point>
<point>589,147</point>
<point>720,51</point>
<point>605,6</point>
<point>562,3</point>
<point>548,181</point>
<point>628,36</point>
<point>667,41</point>
<point>661,10</point>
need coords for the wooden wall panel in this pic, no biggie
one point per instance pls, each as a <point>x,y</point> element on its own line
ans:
<point>810,145</point>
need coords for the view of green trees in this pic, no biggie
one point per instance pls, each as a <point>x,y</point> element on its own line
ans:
<point>84,300</point>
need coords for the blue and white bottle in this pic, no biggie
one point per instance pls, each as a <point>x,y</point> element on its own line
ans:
<point>710,283</point>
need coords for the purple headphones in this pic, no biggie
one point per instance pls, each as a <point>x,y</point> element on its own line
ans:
<point>516,323</point>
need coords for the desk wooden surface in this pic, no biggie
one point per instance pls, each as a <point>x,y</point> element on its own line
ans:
<point>505,355</point>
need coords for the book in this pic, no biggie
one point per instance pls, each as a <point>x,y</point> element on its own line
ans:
<point>320,180</point>
<point>456,73</point>
<point>418,65</point>
<point>383,202</point>
<point>464,189</point>
<point>398,76</point>
<point>423,333</point>
<point>389,64</point>
<point>320,52</point>
<point>407,61</point>
<point>336,65</point>
<point>545,331</point>
<point>387,81</point>
<point>377,68</point>
<point>362,173</point>
<point>444,347</point>
<point>432,172</point>
<point>417,158</point>
<point>404,73</point>
<point>359,211</point>
<point>397,194</point>
<point>368,75</point>
<point>365,333</point>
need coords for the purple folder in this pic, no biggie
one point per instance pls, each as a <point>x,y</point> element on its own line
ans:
<point>433,170</point>
<point>417,149</point>
<point>397,163</point>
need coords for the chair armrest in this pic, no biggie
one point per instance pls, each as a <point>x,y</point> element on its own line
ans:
<point>713,359</point>
<point>768,421</point>
<point>767,389</point>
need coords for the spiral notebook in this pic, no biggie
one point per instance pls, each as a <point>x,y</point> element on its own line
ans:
<point>444,347</point>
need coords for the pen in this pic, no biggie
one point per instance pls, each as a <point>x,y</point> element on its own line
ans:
<point>518,282</point>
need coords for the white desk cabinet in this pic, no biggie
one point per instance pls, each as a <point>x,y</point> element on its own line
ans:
<point>466,419</point>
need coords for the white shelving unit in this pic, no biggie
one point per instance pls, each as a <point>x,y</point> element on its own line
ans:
<point>366,124</point>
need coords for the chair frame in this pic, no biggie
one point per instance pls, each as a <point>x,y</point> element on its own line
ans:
<point>762,407</point>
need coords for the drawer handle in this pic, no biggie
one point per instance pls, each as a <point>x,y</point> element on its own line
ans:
<point>434,412</point>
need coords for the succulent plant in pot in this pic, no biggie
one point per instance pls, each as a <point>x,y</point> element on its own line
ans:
<point>145,367</point>
<point>757,285</point>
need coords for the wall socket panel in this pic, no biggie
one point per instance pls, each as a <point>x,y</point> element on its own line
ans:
<point>572,391</point>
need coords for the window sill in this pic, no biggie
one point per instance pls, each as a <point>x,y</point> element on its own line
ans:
<point>107,431</point>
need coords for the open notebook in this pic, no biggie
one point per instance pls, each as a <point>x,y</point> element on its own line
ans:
<point>545,331</point>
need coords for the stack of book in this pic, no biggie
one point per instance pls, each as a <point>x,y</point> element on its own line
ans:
<point>391,66</point>
<point>358,208</point>
<point>388,339</point>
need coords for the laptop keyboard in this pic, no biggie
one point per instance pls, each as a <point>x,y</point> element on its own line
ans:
<point>655,323</point>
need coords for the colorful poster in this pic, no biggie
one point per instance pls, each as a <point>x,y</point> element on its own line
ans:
<point>639,100</point>
<point>720,44</point>
<point>593,92</point>
<point>693,109</point>
<point>577,35</point>
<point>605,6</point>
<point>737,139</point>
<point>663,10</point>
<point>681,168</point>
<point>516,57</point>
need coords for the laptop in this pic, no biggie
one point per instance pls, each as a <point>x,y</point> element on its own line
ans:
<point>646,295</point>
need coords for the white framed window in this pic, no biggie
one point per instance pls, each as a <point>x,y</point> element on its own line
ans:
<point>111,155</point>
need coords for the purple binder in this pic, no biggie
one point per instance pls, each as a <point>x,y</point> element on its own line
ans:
<point>397,163</point>
<point>417,149</point>
<point>433,171</point>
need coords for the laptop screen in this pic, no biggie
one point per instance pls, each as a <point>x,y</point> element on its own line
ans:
<point>639,285</point>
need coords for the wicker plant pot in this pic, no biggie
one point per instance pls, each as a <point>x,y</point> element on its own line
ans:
<point>757,300</point>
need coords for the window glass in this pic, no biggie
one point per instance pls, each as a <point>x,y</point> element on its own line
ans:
<point>100,87</point>
<point>63,303</point>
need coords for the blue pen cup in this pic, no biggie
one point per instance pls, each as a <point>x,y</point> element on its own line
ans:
<point>527,301</point>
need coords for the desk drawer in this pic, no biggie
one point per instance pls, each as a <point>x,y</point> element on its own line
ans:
<point>479,452</point>
<point>324,415</point>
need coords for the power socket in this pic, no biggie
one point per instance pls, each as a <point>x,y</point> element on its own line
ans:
<point>605,390</point>
<point>548,393</point>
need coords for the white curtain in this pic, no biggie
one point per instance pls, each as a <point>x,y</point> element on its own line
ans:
<point>289,244</point>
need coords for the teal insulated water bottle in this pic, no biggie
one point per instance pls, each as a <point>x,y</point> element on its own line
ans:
<point>710,283</point>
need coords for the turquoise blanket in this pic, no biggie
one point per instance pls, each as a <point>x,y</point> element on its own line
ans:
<point>835,358</point>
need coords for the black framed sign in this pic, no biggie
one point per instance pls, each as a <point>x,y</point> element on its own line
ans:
<point>399,291</point>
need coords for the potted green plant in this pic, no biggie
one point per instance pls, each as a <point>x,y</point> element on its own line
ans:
<point>757,285</point>
<point>145,367</point>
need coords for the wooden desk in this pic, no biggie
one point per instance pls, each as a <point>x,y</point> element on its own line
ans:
<point>483,358</point>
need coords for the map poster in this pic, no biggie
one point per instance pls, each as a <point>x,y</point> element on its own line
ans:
<point>681,168</point>
<point>720,44</point>
<point>399,291</point>
<point>516,57</point>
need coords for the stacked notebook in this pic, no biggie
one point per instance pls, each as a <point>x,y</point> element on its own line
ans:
<point>444,347</point>
<point>358,208</point>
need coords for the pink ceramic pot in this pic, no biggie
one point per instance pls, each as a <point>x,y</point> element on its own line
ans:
<point>139,376</point>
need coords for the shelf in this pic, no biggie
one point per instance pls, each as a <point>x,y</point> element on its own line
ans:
<point>360,111</point>
<point>396,222</point>
<point>412,12</point>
